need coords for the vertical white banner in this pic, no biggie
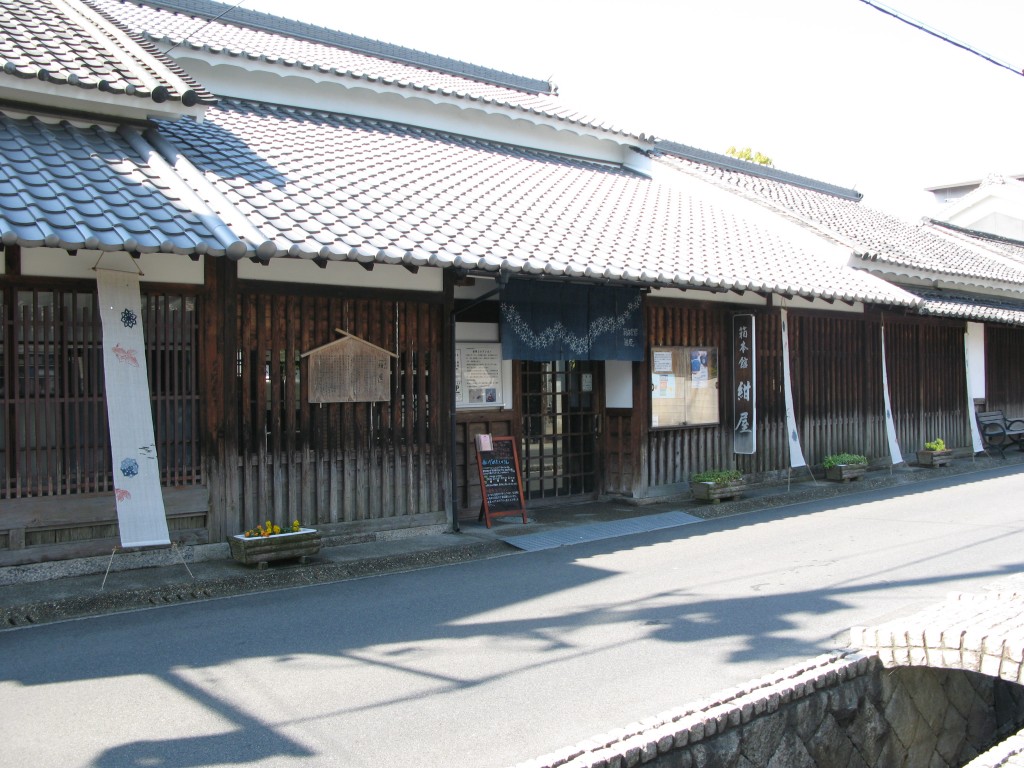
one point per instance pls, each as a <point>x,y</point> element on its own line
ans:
<point>890,425</point>
<point>140,504</point>
<point>796,453</point>
<point>976,443</point>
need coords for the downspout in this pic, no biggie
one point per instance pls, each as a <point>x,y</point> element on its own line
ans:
<point>502,281</point>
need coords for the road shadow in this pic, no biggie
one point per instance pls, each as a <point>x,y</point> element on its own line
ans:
<point>299,632</point>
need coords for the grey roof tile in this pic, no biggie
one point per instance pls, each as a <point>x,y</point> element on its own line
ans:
<point>967,306</point>
<point>877,237</point>
<point>486,206</point>
<point>128,202</point>
<point>70,43</point>
<point>274,40</point>
<point>1002,247</point>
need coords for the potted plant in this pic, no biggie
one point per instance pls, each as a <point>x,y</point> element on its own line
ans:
<point>844,467</point>
<point>935,454</point>
<point>717,484</point>
<point>266,542</point>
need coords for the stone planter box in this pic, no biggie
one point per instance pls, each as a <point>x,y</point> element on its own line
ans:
<point>715,492</point>
<point>844,473</point>
<point>260,550</point>
<point>934,458</point>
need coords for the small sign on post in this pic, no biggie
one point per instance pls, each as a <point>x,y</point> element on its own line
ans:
<point>501,481</point>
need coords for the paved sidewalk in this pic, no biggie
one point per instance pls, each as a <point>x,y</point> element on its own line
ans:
<point>24,602</point>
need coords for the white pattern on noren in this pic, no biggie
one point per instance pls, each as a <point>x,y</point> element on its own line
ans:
<point>580,345</point>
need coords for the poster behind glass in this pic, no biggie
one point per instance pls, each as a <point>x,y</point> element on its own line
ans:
<point>684,386</point>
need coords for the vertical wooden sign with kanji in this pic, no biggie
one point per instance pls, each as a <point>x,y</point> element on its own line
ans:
<point>744,376</point>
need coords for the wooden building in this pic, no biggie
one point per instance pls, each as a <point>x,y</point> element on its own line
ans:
<point>324,182</point>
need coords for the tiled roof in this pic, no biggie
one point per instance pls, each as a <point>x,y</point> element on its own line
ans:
<point>69,187</point>
<point>288,44</point>
<point>875,236</point>
<point>970,307</point>
<point>1004,247</point>
<point>755,169</point>
<point>67,43</point>
<point>321,185</point>
<point>241,16</point>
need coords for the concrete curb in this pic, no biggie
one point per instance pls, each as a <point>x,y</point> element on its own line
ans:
<point>79,596</point>
<point>245,582</point>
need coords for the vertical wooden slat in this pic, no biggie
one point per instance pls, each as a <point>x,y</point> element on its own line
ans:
<point>291,453</point>
<point>341,461</point>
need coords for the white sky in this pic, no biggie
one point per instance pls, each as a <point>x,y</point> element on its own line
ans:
<point>831,89</point>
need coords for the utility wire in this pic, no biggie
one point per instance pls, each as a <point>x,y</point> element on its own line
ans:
<point>204,26</point>
<point>946,38</point>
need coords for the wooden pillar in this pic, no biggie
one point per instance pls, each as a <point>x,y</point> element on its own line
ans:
<point>219,396</point>
<point>448,479</point>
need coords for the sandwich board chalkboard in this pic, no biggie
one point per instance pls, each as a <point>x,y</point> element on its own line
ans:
<point>501,481</point>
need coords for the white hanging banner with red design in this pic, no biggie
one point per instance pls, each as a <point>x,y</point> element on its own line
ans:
<point>140,503</point>
<point>890,422</point>
<point>796,453</point>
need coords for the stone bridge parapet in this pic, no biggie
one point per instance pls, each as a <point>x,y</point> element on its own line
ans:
<point>942,688</point>
<point>973,632</point>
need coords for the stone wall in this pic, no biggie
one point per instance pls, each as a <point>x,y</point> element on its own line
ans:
<point>1007,754</point>
<point>838,711</point>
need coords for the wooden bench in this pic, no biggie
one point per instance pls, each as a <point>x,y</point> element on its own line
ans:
<point>999,432</point>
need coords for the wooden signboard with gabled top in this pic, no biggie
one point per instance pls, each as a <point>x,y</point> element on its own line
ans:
<point>349,370</point>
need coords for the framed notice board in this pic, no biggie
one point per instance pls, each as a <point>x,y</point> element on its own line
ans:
<point>479,379</point>
<point>501,480</point>
<point>684,386</point>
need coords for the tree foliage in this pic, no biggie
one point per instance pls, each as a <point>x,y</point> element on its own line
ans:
<point>749,155</point>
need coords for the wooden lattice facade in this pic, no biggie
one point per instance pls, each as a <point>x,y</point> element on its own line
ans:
<point>239,441</point>
<point>56,479</point>
<point>1004,364</point>
<point>836,372</point>
<point>328,463</point>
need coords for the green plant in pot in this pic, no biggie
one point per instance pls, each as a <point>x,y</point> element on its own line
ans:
<point>844,467</point>
<point>935,454</point>
<point>716,484</point>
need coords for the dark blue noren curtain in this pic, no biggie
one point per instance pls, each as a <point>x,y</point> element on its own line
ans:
<point>559,321</point>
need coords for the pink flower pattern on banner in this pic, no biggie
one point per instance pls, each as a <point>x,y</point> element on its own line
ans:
<point>122,494</point>
<point>125,355</point>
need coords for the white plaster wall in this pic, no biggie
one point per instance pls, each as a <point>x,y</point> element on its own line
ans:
<point>342,274</point>
<point>343,95</point>
<point>857,308</point>
<point>482,332</point>
<point>155,267</point>
<point>749,298</point>
<point>752,299</point>
<point>996,214</point>
<point>109,105</point>
<point>480,286</point>
<point>618,381</point>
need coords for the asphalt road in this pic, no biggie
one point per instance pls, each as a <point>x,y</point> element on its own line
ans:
<point>490,663</point>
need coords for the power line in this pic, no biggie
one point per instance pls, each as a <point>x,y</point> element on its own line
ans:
<point>946,38</point>
<point>196,32</point>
